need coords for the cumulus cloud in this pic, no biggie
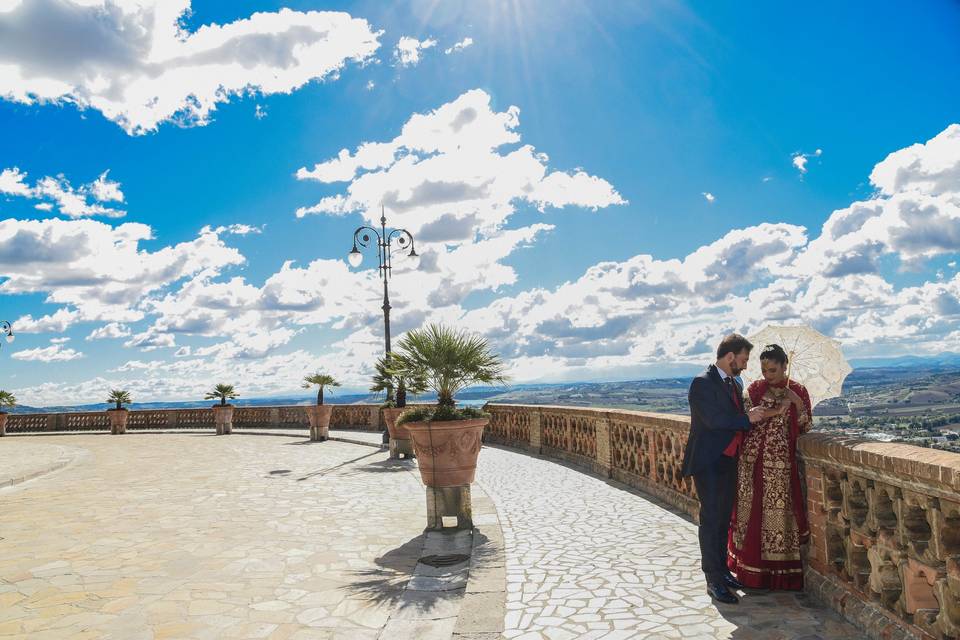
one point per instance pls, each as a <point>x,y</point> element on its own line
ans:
<point>80,202</point>
<point>408,50</point>
<point>98,272</point>
<point>136,64</point>
<point>110,330</point>
<point>455,163</point>
<point>620,316</point>
<point>460,46</point>
<point>709,197</point>
<point>54,353</point>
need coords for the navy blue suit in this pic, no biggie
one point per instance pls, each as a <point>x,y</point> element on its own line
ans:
<point>715,417</point>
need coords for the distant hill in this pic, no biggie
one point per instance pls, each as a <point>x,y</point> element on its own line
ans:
<point>650,394</point>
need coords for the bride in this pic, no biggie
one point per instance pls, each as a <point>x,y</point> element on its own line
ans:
<point>769,521</point>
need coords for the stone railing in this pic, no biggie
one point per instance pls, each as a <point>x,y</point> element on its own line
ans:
<point>642,450</point>
<point>885,533</point>
<point>885,518</point>
<point>344,416</point>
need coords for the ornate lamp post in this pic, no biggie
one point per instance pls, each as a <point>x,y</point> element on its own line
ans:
<point>7,328</point>
<point>385,239</point>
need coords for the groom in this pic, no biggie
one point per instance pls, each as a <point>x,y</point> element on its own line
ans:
<point>717,425</point>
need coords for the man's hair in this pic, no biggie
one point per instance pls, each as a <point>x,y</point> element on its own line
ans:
<point>733,343</point>
<point>775,353</point>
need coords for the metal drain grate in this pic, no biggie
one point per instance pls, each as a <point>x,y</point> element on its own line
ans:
<point>444,561</point>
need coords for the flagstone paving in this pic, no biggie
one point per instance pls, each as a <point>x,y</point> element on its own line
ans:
<point>199,536</point>
<point>590,559</point>
<point>172,535</point>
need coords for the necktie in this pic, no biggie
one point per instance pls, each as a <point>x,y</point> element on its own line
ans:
<point>733,388</point>
<point>734,445</point>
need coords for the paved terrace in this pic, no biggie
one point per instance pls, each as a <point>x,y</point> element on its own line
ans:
<point>189,535</point>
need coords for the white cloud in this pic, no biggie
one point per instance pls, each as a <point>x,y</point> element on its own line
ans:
<point>53,353</point>
<point>105,190</point>
<point>59,340</point>
<point>110,330</point>
<point>98,272</point>
<point>260,112</point>
<point>75,203</point>
<point>408,50</point>
<point>449,169</point>
<point>460,46</point>
<point>134,62</point>
<point>709,197</point>
<point>800,159</point>
<point>12,183</point>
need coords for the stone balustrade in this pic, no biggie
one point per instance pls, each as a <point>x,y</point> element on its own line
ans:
<point>885,532</point>
<point>885,518</point>
<point>344,416</point>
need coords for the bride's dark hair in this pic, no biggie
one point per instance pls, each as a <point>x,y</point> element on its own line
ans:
<point>774,352</point>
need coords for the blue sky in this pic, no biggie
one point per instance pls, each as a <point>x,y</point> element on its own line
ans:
<point>601,189</point>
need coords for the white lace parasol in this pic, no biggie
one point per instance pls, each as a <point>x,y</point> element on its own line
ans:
<point>816,361</point>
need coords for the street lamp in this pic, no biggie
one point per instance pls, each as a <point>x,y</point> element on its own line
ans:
<point>7,328</point>
<point>384,242</point>
<point>385,239</point>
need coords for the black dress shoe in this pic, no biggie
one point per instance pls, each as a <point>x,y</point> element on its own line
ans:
<point>732,583</point>
<point>720,593</point>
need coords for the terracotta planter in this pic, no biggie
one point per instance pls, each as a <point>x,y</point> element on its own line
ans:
<point>397,432</point>
<point>319,415</point>
<point>118,420</point>
<point>447,450</point>
<point>223,418</point>
<point>3,423</point>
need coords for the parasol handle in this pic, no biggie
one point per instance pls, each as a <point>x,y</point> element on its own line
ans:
<point>789,360</point>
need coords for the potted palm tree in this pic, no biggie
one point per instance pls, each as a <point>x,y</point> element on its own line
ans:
<point>396,387</point>
<point>118,415</point>
<point>7,401</point>
<point>446,439</point>
<point>319,414</point>
<point>223,412</point>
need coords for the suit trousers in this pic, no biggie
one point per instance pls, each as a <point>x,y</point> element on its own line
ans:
<point>716,488</point>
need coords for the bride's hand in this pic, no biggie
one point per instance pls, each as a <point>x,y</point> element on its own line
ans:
<point>794,398</point>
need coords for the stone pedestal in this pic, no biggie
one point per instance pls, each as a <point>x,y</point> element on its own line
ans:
<point>118,421</point>
<point>319,415</point>
<point>223,418</point>
<point>3,424</point>
<point>401,446</point>
<point>450,502</point>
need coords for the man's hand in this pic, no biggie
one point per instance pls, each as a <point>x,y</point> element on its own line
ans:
<point>757,414</point>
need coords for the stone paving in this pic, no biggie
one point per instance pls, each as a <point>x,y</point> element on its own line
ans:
<point>28,460</point>
<point>590,559</point>
<point>198,536</point>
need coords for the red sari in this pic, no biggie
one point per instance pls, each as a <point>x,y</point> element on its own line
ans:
<point>769,521</point>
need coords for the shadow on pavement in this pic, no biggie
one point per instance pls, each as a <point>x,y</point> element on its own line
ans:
<point>388,465</point>
<point>323,472</point>
<point>395,568</point>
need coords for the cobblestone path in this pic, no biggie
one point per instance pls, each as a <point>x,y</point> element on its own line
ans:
<point>587,559</point>
<point>199,536</point>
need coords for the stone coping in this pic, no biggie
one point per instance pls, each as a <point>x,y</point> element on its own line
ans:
<point>940,469</point>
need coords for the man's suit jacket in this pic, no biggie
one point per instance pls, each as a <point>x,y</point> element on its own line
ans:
<point>714,419</point>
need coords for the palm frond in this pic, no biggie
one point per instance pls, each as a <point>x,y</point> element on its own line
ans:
<point>446,360</point>
<point>7,399</point>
